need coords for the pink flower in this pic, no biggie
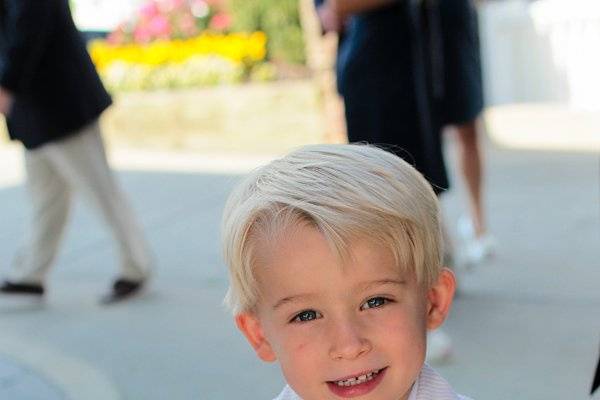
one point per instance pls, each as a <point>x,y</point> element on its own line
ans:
<point>142,34</point>
<point>159,26</point>
<point>149,10</point>
<point>220,21</point>
<point>187,25</point>
<point>170,5</point>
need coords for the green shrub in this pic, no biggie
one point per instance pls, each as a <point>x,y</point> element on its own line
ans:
<point>279,19</point>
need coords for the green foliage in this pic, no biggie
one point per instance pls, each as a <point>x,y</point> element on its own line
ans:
<point>279,19</point>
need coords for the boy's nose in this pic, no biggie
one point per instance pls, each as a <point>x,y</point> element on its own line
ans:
<point>348,342</point>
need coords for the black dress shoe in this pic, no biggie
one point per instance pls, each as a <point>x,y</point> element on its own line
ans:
<point>21,288</point>
<point>122,289</point>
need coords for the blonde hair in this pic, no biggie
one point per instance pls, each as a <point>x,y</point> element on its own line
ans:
<point>344,191</point>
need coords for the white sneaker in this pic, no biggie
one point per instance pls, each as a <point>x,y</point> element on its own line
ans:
<point>475,250</point>
<point>479,250</point>
<point>439,347</point>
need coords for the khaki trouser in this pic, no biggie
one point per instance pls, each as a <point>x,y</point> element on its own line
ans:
<point>56,170</point>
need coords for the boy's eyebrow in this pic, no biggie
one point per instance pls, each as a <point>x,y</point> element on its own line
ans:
<point>291,299</point>
<point>364,286</point>
<point>382,282</point>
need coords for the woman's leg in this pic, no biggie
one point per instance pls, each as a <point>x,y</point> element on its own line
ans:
<point>471,166</point>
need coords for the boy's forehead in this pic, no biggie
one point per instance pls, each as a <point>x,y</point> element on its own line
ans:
<point>301,248</point>
<point>268,243</point>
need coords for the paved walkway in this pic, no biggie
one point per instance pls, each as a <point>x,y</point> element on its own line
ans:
<point>524,326</point>
<point>30,371</point>
<point>549,127</point>
<point>21,382</point>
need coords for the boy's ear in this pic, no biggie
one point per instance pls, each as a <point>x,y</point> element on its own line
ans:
<point>250,326</point>
<point>439,299</point>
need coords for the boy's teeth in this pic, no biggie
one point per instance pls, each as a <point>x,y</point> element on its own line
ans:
<point>357,380</point>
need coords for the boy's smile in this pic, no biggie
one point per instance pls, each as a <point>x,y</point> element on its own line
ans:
<point>353,329</point>
<point>357,385</point>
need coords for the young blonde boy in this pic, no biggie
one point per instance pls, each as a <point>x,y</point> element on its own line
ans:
<point>334,256</point>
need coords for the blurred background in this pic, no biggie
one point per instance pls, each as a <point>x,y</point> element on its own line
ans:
<point>206,90</point>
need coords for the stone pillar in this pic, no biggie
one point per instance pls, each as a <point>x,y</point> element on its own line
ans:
<point>320,58</point>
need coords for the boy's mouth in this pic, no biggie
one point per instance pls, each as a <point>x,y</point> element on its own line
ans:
<point>357,380</point>
<point>357,385</point>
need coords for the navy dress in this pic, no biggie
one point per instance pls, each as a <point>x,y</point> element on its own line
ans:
<point>385,73</point>
<point>463,87</point>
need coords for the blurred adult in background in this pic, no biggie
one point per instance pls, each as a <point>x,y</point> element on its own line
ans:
<point>390,76</point>
<point>461,107</point>
<point>385,75</point>
<point>52,98</point>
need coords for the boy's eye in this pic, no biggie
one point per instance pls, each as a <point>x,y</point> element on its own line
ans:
<point>306,315</point>
<point>374,302</point>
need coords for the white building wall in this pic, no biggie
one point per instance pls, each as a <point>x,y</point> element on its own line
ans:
<point>541,51</point>
<point>102,15</point>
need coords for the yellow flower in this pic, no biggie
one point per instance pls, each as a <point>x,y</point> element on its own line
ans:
<point>237,47</point>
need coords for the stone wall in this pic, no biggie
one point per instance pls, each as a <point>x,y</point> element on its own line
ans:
<point>261,117</point>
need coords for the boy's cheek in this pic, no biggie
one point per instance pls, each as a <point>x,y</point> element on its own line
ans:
<point>294,346</point>
<point>301,347</point>
<point>299,360</point>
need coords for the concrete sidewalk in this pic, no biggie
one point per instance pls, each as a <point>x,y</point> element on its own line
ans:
<point>19,382</point>
<point>525,326</point>
<point>544,126</point>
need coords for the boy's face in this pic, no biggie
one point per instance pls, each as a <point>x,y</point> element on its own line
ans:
<point>342,330</point>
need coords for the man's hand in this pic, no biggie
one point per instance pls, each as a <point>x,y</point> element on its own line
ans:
<point>6,101</point>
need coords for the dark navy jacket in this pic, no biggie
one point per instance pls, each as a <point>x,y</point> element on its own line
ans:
<point>45,64</point>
